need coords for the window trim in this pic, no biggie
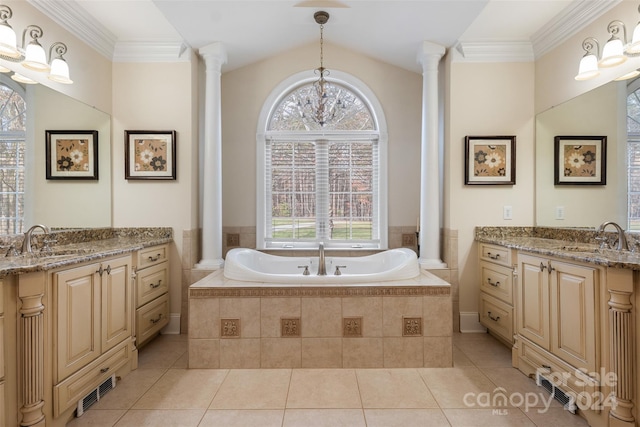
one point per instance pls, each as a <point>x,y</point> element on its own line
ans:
<point>272,101</point>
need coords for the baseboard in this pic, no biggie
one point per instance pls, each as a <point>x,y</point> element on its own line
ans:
<point>173,327</point>
<point>470,323</point>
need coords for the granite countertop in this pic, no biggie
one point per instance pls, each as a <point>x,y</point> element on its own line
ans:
<point>85,245</point>
<point>578,246</point>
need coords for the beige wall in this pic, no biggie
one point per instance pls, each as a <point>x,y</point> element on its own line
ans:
<point>151,96</point>
<point>244,92</point>
<point>486,99</point>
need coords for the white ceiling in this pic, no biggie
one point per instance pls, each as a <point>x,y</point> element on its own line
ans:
<point>391,30</point>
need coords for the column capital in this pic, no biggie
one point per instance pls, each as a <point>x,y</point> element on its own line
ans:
<point>214,53</point>
<point>430,54</point>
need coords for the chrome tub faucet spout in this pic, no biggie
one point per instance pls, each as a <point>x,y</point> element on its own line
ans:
<point>622,240</point>
<point>322,268</point>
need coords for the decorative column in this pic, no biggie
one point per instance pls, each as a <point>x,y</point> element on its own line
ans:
<point>214,57</point>
<point>430,185</point>
<point>621,342</point>
<point>31,354</point>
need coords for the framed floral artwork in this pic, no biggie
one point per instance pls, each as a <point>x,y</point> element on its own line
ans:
<point>580,160</point>
<point>490,160</point>
<point>150,154</point>
<point>71,154</point>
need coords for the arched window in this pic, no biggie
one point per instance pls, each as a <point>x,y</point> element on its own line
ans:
<point>322,182</point>
<point>12,151</point>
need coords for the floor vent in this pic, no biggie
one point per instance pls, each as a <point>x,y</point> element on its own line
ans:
<point>568,401</point>
<point>95,395</point>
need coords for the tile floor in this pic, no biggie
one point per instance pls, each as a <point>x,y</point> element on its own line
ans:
<point>163,392</point>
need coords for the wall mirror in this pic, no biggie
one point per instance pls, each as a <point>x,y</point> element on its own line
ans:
<point>599,112</point>
<point>64,203</point>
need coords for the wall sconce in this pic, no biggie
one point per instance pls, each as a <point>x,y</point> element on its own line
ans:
<point>589,62</point>
<point>615,52</point>
<point>32,55</point>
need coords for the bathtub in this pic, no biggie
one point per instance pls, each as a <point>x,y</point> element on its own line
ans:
<point>250,265</point>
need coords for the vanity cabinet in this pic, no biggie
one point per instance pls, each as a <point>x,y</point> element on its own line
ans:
<point>152,286</point>
<point>496,290</point>
<point>557,309</point>
<point>2,363</point>
<point>92,326</point>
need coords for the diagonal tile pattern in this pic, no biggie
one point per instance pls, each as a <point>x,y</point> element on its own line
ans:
<point>163,392</point>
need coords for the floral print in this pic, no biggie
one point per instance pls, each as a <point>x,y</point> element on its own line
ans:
<point>579,160</point>
<point>150,155</point>
<point>489,160</point>
<point>72,155</point>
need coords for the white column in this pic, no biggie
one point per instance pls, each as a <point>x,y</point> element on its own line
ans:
<point>214,57</point>
<point>430,211</point>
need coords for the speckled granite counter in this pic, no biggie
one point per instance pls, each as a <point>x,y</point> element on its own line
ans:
<point>576,244</point>
<point>76,246</point>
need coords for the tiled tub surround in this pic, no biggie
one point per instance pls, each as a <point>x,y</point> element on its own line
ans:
<point>387,324</point>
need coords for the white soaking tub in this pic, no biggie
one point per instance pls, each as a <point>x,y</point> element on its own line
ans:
<point>250,265</point>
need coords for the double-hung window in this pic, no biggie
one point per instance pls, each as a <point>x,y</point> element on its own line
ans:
<point>322,183</point>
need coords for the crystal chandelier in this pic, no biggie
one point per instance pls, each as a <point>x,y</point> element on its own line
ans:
<point>323,103</point>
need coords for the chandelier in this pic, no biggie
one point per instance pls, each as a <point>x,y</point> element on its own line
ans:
<point>323,103</point>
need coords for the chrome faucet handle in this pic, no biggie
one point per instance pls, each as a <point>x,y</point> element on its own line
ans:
<point>12,251</point>
<point>604,242</point>
<point>46,243</point>
<point>306,270</point>
<point>338,272</point>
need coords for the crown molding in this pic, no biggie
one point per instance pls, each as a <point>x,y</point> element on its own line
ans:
<point>491,51</point>
<point>150,52</point>
<point>80,23</point>
<point>572,19</point>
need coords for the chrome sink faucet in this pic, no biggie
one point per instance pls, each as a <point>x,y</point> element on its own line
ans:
<point>622,240</point>
<point>322,268</point>
<point>26,243</point>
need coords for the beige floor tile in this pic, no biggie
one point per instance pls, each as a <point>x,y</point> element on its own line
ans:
<point>242,418</point>
<point>323,418</point>
<point>521,390</point>
<point>129,389</point>
<point>393,388</point>
<point>182,362</point>
<point>487,418</point>
<point>161,353</point>
<point>323,388</point>
<point>405,418</point>
<point>98,418</point>
<point>458,387</point>
<point>253,389</point>
<point>164,418</point>
<point>459,358</point>
<point>556,417</point>
<point>183,389</point>
<point>487,353</point>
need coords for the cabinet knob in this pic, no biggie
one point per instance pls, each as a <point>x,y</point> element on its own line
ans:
<point>496,256</point>
<point>154,321</point>
<point>496,284</point>
<point>495,319</point>
<point>154,258</point>
<point>156,285</point>
<point>103,370</point>
<point>550,267</point>
<point>542,266</point>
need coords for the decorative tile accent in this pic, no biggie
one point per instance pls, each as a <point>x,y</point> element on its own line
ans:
<point>325,291</point>
<point>229,328</point>
<point>411,326</point>
<point>352,326</point>
<point>290,327</point>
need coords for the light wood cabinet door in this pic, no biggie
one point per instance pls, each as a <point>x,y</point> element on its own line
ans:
<point>533,300</point>
<point>77,323</point>
<point>116,302</point>
<point>573,314</point>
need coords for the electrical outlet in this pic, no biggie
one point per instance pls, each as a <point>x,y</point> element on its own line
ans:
<point>408,240</point>
<point>233,239</point>
<point>559,212</point>
<point>507,212</point>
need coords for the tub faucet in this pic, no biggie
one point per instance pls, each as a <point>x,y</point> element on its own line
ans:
<point>322,268</point>
<point>26,243</point>
<point>622,240</point>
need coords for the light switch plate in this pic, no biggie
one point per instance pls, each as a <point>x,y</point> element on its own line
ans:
<point>559,212</point>
<point>507,212</point>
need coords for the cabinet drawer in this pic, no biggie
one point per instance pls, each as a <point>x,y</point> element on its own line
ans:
<point>152,256</point>
<point>151,318</point>
<point>497,281</point>
<point>151,283</point>
<point>497,254</point>
<point>67,393</point>
<point>496,316</point>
